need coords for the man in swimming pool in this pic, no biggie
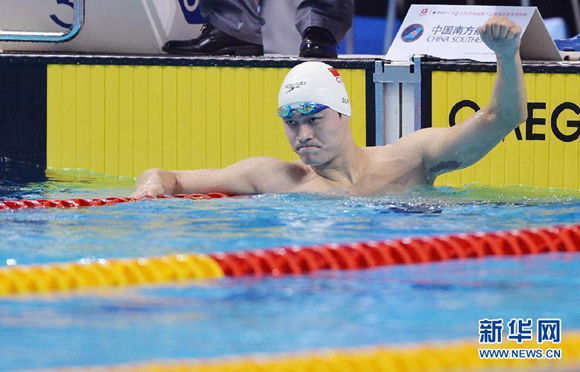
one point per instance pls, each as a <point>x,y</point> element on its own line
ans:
<point>315,109</point>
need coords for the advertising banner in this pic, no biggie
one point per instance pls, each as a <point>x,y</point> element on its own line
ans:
<point>450,32</point>
<point>544,151</point>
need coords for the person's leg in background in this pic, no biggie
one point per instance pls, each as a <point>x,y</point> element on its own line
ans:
<point>280,33</point>
<point>233,27</point>
<point>323,24</point>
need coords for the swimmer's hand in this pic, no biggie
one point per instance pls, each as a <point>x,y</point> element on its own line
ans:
<point>154,182</point>
<point>501,35</point>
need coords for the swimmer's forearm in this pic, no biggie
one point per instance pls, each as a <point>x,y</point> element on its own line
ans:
<point>156,181</point>
<point>199,181</point>
<point>509,100</point>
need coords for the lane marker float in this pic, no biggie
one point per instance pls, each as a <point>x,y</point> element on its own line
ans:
<point>285,260</point>
<point>82,203</point>
<point>425,357</point>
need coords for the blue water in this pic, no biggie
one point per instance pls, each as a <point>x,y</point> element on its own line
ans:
<point>384,306</point>
<point>169,226</point>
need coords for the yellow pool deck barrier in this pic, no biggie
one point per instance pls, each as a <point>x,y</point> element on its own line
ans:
<point>544,151</point>
<point>119,115</point>
<point>123,120</point>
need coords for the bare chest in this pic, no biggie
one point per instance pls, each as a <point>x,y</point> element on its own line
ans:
<point>380,177</point>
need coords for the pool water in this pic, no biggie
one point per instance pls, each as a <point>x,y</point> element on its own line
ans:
<point>156,227</point>
<point>383,306</point>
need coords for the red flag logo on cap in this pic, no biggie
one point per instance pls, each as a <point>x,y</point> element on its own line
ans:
<point>335,73</point>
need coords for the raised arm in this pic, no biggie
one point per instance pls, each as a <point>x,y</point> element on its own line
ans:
<point>448,149</point>
<point>249,176</point>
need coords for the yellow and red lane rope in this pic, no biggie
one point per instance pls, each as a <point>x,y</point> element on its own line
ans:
<point>427,357</point>
<point>285,260</point>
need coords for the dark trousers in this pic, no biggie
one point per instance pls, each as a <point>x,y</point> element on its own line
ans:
<point>241,19</point>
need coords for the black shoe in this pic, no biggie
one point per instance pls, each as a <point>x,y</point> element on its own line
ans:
<point>318,42</point>
<point>213,42</point>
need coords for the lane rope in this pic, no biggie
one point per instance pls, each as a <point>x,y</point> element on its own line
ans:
<point>82,203</point>
<point>425,357</point>
<point>284,260</point>
<point>363,255</point>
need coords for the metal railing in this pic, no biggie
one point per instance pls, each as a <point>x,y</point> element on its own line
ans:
<point>49,37</point>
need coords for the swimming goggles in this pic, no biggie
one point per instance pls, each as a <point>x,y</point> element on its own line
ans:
<point>305,108</point>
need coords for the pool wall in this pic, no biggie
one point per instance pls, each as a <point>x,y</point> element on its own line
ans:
<point>122,115</point>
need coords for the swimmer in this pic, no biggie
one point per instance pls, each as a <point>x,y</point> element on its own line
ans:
<point>315,111</point>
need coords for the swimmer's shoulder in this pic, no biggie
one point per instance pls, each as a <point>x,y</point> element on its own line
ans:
<point>293,170</point>
<point>275,175</point>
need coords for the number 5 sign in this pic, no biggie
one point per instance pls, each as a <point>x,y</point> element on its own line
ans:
<point>111,26</point>
<point>57,20</point>
<point>191,11</point>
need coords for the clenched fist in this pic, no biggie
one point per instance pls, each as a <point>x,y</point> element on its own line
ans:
<point>501,35</point>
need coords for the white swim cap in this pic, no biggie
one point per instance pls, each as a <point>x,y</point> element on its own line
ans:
<point>315,82</point>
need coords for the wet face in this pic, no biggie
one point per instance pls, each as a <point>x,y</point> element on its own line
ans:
<point>317,138</point>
